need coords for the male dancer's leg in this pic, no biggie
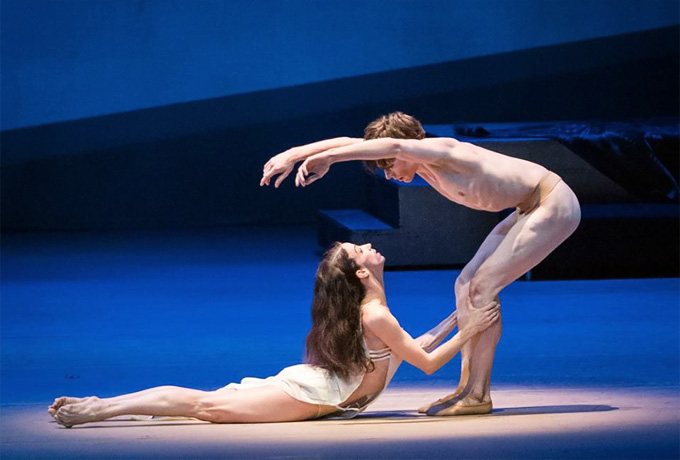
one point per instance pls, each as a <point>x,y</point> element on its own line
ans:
<point>527,243</point>
<point>462,286</point>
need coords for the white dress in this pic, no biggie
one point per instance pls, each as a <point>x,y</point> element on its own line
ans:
<point>315,385</point>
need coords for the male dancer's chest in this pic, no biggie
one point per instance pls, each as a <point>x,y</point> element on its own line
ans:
<point>477,189</point>
<point>454,186</point>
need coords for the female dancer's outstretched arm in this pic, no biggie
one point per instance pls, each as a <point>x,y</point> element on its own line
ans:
<point>432,338</point>
<point>383,324</point>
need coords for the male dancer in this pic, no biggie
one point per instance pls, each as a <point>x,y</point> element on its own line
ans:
<point>547,212</point>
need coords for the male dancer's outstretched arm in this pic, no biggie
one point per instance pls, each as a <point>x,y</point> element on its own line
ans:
<point>420,151</point>
<point>283,163</point>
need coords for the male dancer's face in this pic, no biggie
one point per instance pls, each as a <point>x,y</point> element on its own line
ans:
<point>401,170</point>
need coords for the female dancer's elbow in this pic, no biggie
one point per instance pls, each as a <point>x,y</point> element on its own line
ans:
<point>430,367</point>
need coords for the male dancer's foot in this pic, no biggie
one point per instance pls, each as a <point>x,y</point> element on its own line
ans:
<point>441,401</point>
<point>456,404</point>
<point>464,377</point>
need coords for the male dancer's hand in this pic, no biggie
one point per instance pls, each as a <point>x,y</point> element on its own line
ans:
<point>312,169</point>
<point>283,163</point>
<point>280,164</point>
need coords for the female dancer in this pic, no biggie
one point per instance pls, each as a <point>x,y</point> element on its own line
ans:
<point>353,349</point>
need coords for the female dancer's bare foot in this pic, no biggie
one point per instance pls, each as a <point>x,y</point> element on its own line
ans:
<point>62,401</point>
<point>88,410</point>
<point>461,405</point>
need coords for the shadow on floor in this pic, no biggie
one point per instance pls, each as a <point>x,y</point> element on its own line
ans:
<point>563,409</point>
<point>410,416</point>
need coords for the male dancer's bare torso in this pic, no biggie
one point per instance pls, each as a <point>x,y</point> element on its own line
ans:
<point>482,179</point>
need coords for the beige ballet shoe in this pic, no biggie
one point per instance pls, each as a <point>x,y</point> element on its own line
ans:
<point>443,400</point>
<point>460,409</point>
<point>423,409</point>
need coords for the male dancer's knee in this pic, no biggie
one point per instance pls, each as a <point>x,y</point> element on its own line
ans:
<point>483,289</point>
<point>459,285</point>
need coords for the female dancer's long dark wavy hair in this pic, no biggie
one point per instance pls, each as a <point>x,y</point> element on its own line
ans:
<point>335,341</point>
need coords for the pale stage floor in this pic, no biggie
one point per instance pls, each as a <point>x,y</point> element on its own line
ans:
<point>533,423</point>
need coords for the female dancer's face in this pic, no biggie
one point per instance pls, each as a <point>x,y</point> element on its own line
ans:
<point>365,256</point>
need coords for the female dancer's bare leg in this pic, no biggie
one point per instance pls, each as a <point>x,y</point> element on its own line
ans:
<point>255,405</point>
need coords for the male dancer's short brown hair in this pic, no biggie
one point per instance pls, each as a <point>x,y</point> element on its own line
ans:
<point>396,125</point>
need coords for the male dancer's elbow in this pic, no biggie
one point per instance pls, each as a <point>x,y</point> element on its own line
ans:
<point>393,147</point>
<point>397,148</point>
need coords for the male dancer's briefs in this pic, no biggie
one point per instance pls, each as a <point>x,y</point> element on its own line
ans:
<point>536,197</point>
